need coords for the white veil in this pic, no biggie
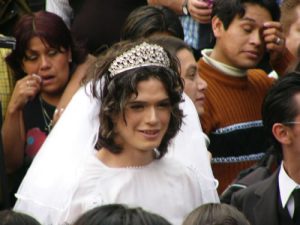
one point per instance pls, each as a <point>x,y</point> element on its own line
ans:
<point>54,173</point>
<point>189,147</point>
<point>53,177</point>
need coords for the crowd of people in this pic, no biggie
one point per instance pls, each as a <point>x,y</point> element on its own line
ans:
<point>149,112</point>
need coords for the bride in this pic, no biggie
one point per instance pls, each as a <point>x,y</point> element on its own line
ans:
<point>140,94</point>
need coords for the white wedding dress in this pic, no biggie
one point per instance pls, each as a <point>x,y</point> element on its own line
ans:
<point>57,177</point>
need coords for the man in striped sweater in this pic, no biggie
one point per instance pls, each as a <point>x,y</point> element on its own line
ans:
<point>244,30</point>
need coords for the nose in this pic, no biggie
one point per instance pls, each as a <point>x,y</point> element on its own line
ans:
<point>151,115</point>
<point>201,84</point>
<point>256,38</point>
<point>45,63</point>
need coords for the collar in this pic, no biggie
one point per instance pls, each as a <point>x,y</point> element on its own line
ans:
<point>286,186</point>
<point>228,70</point>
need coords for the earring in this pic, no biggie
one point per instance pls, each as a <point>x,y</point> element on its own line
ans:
<point>70,60</point>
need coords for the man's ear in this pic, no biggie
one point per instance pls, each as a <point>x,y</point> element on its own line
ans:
<point>217,26</point>
<point>282,133</point>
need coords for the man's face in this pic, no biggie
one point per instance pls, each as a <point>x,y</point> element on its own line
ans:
<point>294,131</point>
<point>241,45</point>
<point>293,34</point>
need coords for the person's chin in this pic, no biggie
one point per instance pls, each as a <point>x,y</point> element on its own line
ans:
<point>199,103</point>
<point>151,143</point>
<point>248,64</point>
<point>200,110</point>
<point>149,146</point>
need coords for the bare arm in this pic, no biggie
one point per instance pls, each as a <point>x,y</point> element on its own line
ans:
<point>73,86</point>
<point>200,10</point>
<point>13,131</point>
<point>13,135</point>
<point>174,5</point>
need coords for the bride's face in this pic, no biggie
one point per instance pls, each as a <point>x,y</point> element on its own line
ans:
<point>147,118</point>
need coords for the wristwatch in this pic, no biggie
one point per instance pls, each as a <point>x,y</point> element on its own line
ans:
<point>185,9</point>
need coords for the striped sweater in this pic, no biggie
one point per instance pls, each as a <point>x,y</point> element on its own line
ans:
<point>232,117</point>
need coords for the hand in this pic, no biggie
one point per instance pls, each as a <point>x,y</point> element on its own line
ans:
<point>25,89</point>
<point>274,40</point>
<point>200,10</point>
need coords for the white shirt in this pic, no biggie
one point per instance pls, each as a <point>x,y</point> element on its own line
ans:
<point>61,8</point>
<point>286,187</point>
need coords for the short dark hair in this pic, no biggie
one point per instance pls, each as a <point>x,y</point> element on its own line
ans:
<point>51,29</point>
<point>147,20</point>
<point>279,105</point>
<point>117,214</point>
<point>288,14</point>
<point>227,10</point>
<point>117,90</point>
<point>9,217</point>
<point>172,44</point>
<point>216,214</point>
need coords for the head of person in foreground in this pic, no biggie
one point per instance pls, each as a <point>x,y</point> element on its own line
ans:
<point>216,214</point>
<point>117,214</point>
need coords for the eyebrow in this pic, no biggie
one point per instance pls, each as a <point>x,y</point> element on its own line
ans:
<point>193,66</point>
<point>248,19</point>
<point>143,102</point>
<point>31,50</point>
<point>252,21</point>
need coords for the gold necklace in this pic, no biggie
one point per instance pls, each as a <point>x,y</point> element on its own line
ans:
<point>47,119</point>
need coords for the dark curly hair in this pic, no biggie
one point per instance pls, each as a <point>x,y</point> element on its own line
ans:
<point>115,91</point>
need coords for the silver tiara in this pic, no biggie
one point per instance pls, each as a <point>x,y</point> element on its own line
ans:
<point>141,55</point>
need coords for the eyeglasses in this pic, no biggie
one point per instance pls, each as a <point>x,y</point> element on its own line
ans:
<point>291,123</point>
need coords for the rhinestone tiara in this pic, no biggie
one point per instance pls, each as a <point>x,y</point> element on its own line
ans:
<point>141,55</point>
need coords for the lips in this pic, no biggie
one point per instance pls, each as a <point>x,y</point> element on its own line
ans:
<point>47,79</point>
<point>252,54</point>
<point>200,99</point>
<point>150,134</point>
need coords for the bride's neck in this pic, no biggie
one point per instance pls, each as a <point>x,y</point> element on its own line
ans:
<point>125,158</point>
